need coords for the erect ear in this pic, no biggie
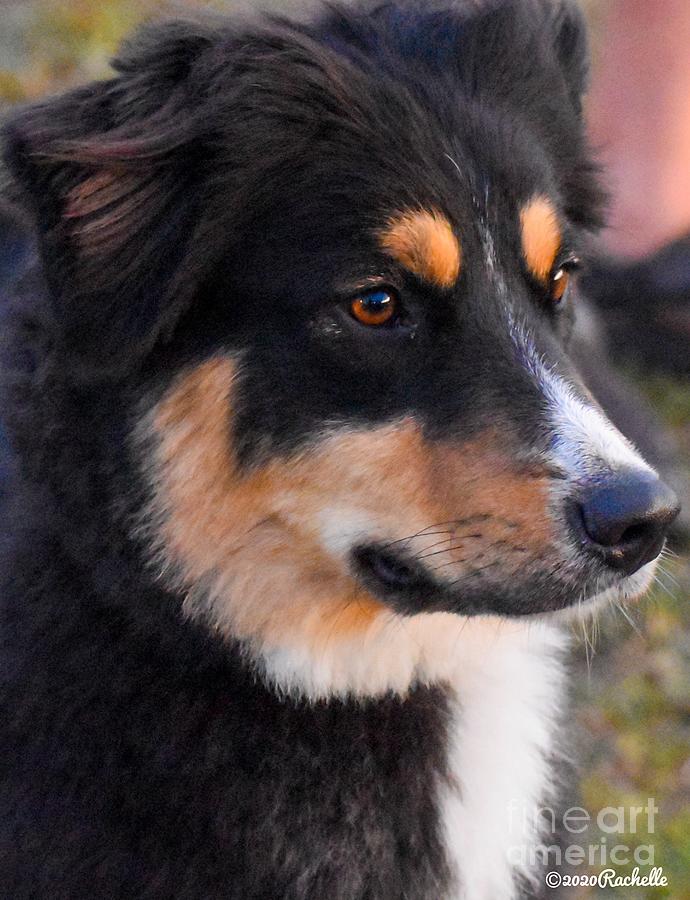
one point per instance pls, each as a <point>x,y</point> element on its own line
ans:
<point>572,48</point>
<point>112,173</point>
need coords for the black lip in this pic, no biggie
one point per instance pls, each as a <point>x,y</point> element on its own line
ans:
<point>397,579</point>
<point>404,584</point>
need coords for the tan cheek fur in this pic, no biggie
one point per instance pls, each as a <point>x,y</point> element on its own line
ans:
<point>245,530</point>
<point>257,542</point>
<point>541,236</point>
<point>424,243</point>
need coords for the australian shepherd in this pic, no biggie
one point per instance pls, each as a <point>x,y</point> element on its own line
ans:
<point>305,479</point>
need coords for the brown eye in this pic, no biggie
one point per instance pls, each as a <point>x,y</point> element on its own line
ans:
<point>559,285</point>
<point>375,308</point>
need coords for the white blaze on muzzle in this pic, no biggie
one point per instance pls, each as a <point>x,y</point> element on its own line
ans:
<point>585,442</point>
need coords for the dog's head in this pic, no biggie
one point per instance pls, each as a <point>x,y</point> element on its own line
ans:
<point>337,262</point>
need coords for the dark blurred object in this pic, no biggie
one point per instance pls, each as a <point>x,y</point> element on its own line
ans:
<point>646,308</point>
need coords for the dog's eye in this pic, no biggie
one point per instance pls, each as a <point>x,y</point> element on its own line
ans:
<point>560,280</point>
<point>375,308</point>
<point>559,285</point>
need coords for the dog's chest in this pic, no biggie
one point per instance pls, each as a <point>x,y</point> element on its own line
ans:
<point>502,742</point>
<point>442,788</point>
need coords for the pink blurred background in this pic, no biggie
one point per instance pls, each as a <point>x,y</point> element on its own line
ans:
<point>639,112</point>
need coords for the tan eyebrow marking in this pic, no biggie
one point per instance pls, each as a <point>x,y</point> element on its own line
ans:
<point>423,242</point>
<point>541,236</point>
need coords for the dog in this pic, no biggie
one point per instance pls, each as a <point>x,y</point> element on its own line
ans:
<point>306,480</point>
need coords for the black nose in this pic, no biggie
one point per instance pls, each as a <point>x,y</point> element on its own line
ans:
<point>625,517</point>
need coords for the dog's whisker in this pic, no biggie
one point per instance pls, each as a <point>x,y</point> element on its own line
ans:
<point>662,571</point>
<point>450,549</point>
<point>425,532</point>
<point>423,553</point>
<point>626,615</point>
<point>667,552</point>
<point>445,565</point>
<point>664,587</point>
<point>588,646</point>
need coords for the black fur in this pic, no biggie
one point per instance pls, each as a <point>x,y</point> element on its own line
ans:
<point>139,757</point>
<point>15,245</point>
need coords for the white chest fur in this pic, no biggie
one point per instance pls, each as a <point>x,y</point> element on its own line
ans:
<point>509,684</point>
<point>508,680</point>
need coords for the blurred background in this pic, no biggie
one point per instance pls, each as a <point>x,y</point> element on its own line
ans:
<point>632,716</point>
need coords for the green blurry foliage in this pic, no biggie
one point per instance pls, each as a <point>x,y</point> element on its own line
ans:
<point>45,46</point>
<point>48,44</point>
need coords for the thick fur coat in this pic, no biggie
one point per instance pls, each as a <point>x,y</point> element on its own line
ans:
<point>297,446</point>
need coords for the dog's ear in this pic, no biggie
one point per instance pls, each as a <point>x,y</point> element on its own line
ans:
<point>572,48</point>
<point>112,172</point>
<point>545,33</point>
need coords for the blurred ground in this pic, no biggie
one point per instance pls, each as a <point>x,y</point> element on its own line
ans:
<point>632,710</point>
<point>632,716</point>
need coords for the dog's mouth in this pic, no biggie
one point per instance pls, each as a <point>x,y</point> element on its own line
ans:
<point>394,576</point>
<point>604,541</point>
<point>406,585</point>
